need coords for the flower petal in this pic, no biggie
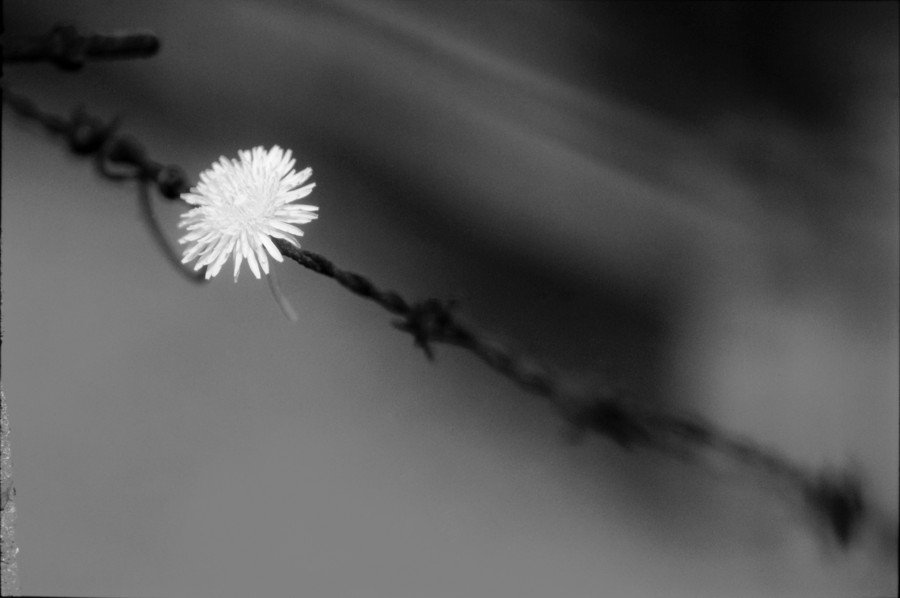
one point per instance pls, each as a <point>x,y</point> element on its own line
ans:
<point>240,205</point>
<point>270,247</point>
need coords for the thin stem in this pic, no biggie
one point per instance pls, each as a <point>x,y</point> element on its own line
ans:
<point>152,221</point>
<point>286,308</point>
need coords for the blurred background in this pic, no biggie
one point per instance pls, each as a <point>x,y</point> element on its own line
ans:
<point>697,203</point>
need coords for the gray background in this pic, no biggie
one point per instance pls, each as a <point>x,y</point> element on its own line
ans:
<point>697,203</point>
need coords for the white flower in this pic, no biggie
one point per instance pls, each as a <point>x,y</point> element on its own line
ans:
<point>240,205</point>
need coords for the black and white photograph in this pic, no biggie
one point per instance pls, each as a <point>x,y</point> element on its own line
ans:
<point>450,299</point>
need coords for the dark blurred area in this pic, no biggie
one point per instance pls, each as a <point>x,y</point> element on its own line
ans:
<point>694,202</point>
<point>695,61</point>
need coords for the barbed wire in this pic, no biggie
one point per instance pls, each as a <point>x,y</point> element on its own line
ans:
<point>835,500</point>
<point>68,49</point>
<point>118,158</point>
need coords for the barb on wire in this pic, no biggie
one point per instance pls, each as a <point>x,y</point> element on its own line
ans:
<point>68,49</point>
<point>834,500</point>
<point>117,158</point>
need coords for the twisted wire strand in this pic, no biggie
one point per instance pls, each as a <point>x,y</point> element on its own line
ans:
<point>117,158</point>
<point>69,50</point>
<point>835,500</point>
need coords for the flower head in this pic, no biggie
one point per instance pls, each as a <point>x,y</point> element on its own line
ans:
<point>240,205</point>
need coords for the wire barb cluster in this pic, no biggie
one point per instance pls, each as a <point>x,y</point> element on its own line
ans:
<point>835,500</point>
<point>117,158</point>
<point>68,49</point>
